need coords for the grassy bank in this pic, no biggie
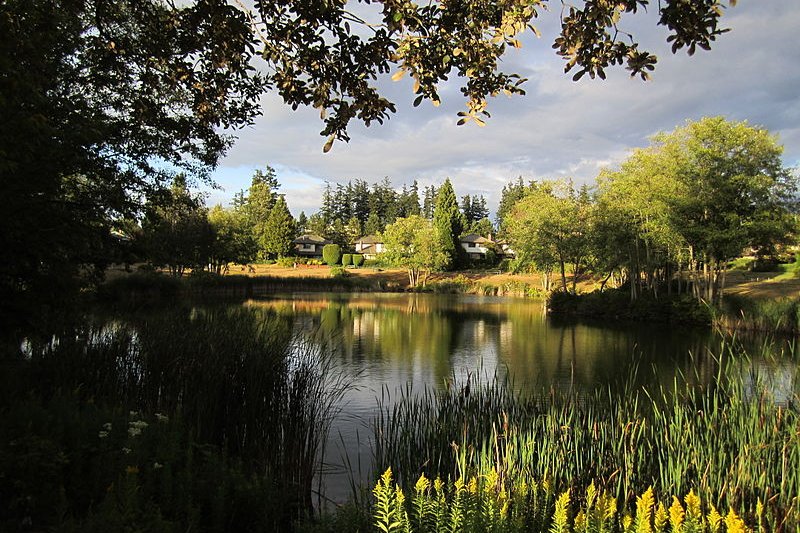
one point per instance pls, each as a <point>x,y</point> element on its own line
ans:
<point>155,285</point>
<point>718,434</point>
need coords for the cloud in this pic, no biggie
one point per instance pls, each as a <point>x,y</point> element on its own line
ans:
<point>559,129</point>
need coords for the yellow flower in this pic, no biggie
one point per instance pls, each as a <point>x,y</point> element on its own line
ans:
<point>693,507</point>
<point>644,509</point>
<point>661,518</point>
<point>422,484</point>
<point>626,522</point>
<point>676,515</point>
<point>580,521</point>
<point>714,519</point>
<point>734,524</point>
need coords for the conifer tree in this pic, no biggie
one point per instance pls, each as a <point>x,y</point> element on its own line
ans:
<point>279,230</point>
<point>449,222</point>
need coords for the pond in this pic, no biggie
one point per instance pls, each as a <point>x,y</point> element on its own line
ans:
<point>385,343</point>
<point>219,364</point>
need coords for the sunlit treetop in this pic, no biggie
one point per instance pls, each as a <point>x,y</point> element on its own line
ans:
<point>329,53</point>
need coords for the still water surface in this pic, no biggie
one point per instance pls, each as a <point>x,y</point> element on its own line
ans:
<point>387,342</point>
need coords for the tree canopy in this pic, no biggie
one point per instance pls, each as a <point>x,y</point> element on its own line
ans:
<point>330,54</point>
<point>103,101</point>
<point>414,243</point>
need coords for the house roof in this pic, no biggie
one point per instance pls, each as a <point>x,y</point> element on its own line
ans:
<point>369,249</point>
<point>370,239</point>
<point>311,239</point>
<point>474,237</point>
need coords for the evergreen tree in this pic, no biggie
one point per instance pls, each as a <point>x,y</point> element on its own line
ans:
<point>466,208</point>
<point>278,232</point>
<point>360,198</point>
<point>316,225</point>
<point>328,209</point>
<point>429,201</point>
<point>302,222</point>
<point>373,225</point>
<point>337,233</point>
<point>353,231</point>
<point>449,222</point>
<point>479,209</point>
<point>511,194</point>
<point>412,200</point>
<point>261,195</point>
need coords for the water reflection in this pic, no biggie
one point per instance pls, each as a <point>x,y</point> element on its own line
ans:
<point>431,337</point>
<point>387,341</point>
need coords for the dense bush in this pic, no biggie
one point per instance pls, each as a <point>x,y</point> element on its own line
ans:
<point>347,259</point>
<point>617,304</point>
<point>331,253</point>
<point>358,260</point>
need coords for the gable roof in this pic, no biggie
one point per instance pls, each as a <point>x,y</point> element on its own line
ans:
<point>311,239</point>
<point>370,239</point>
<point>474,237</point>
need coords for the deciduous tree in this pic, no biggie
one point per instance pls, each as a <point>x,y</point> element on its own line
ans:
<point>414,244</point>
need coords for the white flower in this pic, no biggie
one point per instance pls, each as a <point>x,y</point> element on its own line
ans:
<point>126,450</point>
<point>103,434</point>
<point>157,465</point>
<point>133,431</point>
<point>162,418</point>
<point>107,426</point>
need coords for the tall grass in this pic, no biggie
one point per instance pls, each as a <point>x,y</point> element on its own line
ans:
<point>743,313</point>
<point>242,387</point>
<point>718,432</point>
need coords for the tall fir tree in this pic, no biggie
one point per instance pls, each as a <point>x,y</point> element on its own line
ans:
<point>429,201</point>
<point>279,231</point>
<point>466,208</point>
<point>328,209</point>
<point>449,223</point>
<point>373,225</point>
<point>261,196</point>
<point>360,196</point>
<point>302,222</point>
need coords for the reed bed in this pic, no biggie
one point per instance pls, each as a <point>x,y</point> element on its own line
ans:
<point>719,433</point>
<point>772,315</point>
<point>243,396</point>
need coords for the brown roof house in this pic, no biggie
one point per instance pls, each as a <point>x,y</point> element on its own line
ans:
<point>369,246</point>
<point>475,245</point>
<point>310,245</point>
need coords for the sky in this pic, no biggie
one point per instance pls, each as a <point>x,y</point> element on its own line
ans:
<point>559,129</point>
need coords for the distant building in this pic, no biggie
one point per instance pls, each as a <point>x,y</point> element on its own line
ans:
<point>475,245</point>
<point>310,245</point>
<point>369,246</point>
<point>505,250</point>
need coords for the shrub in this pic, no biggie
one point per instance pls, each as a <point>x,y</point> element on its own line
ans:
<point>338,272</point>
<point>358,260</point>
<point>288,261</point>
<point>347,259</point>
<point>331,253</point>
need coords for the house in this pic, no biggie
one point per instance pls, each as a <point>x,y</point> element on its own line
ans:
<point>476,246</point>
<point>369,246</point>
<point>505,250</point>
<point>310,245</point>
